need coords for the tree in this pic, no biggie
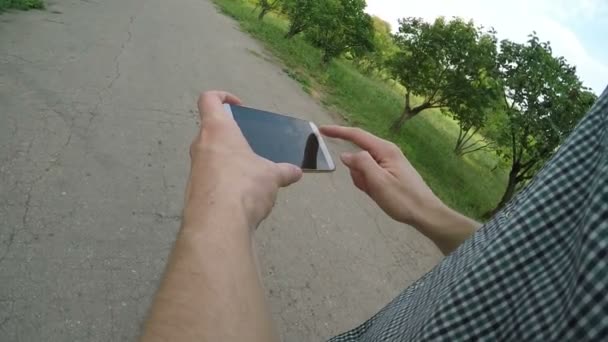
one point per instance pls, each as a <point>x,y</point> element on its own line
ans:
<point>384,48</point>
<point>301,14</point>
<point>543,101</point>
<point>472,119</point>
<point>267,6</point>
<point>445,63</point>
<point>469,123</point>
<point>342,26</point>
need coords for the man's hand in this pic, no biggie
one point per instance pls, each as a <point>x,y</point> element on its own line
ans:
<point>382,171</point>
<point>211,290</point>
<point>225,171</point>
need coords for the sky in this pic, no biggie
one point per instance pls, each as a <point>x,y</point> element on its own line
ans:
<point>577,29</point>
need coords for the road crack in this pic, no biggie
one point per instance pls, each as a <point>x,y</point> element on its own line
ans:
<point>117,74</point>
<point>11,237</point>
<point>117,57</point>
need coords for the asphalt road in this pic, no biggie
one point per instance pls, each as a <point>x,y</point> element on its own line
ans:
<point>97,104</point>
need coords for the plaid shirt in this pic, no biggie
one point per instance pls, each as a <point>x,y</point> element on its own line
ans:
<point>538,271</point>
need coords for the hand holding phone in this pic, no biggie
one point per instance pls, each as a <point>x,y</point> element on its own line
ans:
<point>225,169</point>
<point>283,139</point>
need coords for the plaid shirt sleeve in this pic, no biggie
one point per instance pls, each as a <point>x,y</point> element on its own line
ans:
<point>538,271</point>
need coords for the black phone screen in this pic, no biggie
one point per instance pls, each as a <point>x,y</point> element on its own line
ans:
<point>283,139</point>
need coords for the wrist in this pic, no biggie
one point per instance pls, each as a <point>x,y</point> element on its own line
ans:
<point>446,227</point>
<point>431,214</point>
<point>210,213</point>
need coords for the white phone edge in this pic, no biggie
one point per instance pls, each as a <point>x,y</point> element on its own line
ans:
<point>324,149</point>
<point>228,109</point>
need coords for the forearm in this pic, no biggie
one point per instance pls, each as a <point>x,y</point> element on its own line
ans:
<point>211,290</point>
<point>447,228</point>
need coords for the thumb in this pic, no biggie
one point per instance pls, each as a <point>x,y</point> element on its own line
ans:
<point>288,174</point>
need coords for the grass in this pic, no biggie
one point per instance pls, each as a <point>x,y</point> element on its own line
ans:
<point>466,183</point>
<point>20,4</point>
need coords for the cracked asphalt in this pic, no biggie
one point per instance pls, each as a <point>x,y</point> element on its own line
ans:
<point>97,109</point>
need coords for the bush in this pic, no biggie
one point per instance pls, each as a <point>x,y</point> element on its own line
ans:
<point>20,4</point>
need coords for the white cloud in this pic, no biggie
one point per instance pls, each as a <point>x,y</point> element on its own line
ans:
<point>514,20</point>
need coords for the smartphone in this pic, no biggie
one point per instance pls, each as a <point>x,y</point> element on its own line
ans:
<point>283,139</point>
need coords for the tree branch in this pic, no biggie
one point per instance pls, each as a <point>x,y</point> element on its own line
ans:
<point>459,140</point>
<point>524,142</point>
<point>513,145</point>
<point>422,107</point>
<point>430,99</point>
<point>507,105</point>
<point>528,163</point>
<point>477,149</point>
<point>523,177</point>
<point>504,96</point>
<point>471,136</point>
<point>470,145</point>
<point>437,104</point>
<point>521,183</point>
<point>526,167</point>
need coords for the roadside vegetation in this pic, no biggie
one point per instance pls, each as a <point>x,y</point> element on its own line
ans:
<point>476,117</point>
<point>20,4</point>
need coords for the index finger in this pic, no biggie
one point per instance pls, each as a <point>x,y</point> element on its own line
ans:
<point>211,103</point>
<point>365,140</point>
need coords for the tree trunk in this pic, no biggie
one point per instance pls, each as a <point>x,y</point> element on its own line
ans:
<point>509,191</point>
<point>405,115</point>
<point>408,113</point>
<point>460,141</point>
<point>263,13</point>
<point>293,30</point>
<point>463,144</point>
